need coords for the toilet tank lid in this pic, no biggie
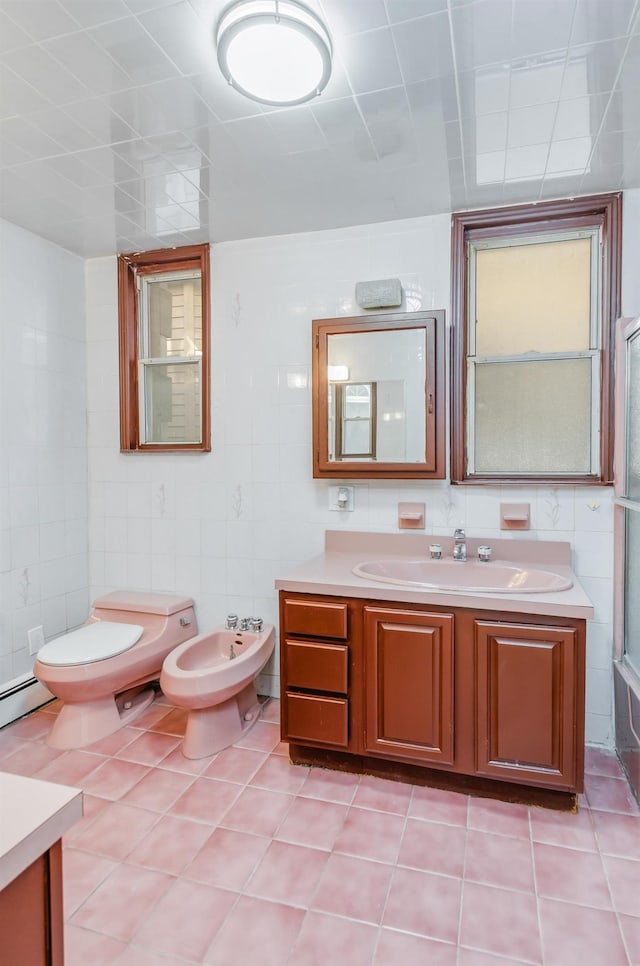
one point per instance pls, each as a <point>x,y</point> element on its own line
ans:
<point>91,642</point>
<point>143,603</point>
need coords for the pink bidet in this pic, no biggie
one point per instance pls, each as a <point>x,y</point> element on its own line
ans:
<point>212,675</point>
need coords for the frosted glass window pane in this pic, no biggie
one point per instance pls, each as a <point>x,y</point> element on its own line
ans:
<point>633,419</point>
<point>533,298</point>
<point>172,403</point>
<point>175,317</point>
<point>357,438</point>
<point>632,582</point>
<point>533,417</point>
<point>357,402</point>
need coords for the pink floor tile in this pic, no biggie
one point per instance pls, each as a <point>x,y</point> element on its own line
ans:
<point>602,761</point>
<point>116,830</point>
<point>35,725</point>
<point>433,847</point>
<point>288,873</point>
<point>71,767</point>
<point>9,744</point>
<point>256,931</point>
<point>158,789</point>
<point>173,722</point>
<point>382,795</point>
<point>438,805</point>
<point>355,888</point>
<point>176,761</point>
<point>29,758</point>
<point>186,919</point>
<point>422,903</point>
<point>574,830</point>
<point>151,716</point>
<point>576,935</point>
<point>624,882</point>
<point>332,786</point>
<point>630,927</point>
<point>278,774</point>
<point>113,778</point>
<point>401,949</point>
<point>112,744</point>
<point>170,845</point>
<point>227,859</point>
<point>271,711</point>
<point>610,795</point>
<point>501,922</point>
<point>82,873</point>
<point>325,939</point>
<point>91,806</point>
<point>263,737</point>
<point>81,947</point>
<point>149,748</point>
<point>313,823</point>
<point>503,818</point>
<point>572,876</point>
<point>121,903</point>
<point>618,834</point>
<point>474,957</point>
<point>135,955</point>
<point>257,810</point>
<point>371,835</point>
<point>235,765</point>
<point>499,860</point>
<point>206,800</point>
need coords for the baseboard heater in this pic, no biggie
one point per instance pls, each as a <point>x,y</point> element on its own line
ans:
<point>20,696</point>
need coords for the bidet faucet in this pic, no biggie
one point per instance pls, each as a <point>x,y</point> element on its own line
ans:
<point>459,545</point>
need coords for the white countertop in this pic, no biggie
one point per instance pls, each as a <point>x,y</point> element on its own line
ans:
<point>33,815</point>
<point>332,573</point>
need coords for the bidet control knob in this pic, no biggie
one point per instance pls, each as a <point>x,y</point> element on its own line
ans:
<point>232,621</point>
<point>244,623</point>
<point>256,624</point>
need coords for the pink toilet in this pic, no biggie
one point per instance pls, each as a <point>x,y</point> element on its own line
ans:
<point>212,675</point>
<point>100,670</point>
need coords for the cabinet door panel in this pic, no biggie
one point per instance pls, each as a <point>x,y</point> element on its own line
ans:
<point>409,684</point>
<point>526,702</point>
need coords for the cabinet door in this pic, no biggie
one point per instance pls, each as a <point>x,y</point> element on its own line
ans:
<point>526,703</point>
<point>409,684</point>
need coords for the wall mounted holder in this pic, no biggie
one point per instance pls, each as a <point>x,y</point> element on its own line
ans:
<point>515,516</point>
<point>411,516</point>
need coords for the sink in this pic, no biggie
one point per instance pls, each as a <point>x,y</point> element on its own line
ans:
<point>468,575</point>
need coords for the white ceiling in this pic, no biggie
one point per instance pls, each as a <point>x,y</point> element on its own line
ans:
<point>118,133</point>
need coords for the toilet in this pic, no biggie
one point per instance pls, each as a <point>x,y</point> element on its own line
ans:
<point>212,676</point>
<point>102,670</point>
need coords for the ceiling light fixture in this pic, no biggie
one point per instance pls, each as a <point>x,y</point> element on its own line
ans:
<point>276,52</point>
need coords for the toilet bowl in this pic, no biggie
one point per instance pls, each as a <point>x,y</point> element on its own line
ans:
<point>100,670</point>
<point>212,675</point>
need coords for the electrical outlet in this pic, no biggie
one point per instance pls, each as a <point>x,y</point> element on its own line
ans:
<point>36,639</point>
<point>341,497</point>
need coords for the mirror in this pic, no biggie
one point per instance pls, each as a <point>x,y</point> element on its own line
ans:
<point>378,396</point>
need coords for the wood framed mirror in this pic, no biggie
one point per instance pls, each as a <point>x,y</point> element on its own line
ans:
<point>379,396</point>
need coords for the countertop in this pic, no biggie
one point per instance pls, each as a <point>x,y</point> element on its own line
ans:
<point>332,573</point>
<point>33,815</point>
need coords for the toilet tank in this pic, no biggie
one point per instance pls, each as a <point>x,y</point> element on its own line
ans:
<point>168,618</point>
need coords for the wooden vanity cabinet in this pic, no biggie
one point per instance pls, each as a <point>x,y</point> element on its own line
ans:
<point>481,695</point>
<point>529,702</point>
<point>408,658</point>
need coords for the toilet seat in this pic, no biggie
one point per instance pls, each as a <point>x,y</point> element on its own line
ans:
<point>92,642</point>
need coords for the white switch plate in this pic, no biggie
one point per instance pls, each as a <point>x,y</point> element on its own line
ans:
<point>36,639</point>
<point>333,497</point>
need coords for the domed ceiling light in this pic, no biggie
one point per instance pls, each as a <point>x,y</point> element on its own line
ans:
<point>276,52</point>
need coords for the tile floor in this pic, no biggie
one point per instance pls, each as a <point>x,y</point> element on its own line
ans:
<point>244,858</point>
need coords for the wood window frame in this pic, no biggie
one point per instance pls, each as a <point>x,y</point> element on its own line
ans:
<point>594,210</point>
<point>341,419</point>
<point>129,268</point>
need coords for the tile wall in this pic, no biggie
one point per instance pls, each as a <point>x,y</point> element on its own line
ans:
<point>222,526</point>
<point>43,444</point>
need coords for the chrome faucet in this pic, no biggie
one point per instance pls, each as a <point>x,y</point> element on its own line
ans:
<point>459,545</point>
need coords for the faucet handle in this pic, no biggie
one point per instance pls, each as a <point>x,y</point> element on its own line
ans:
<point>484,553</point>
<point>459,534</point>
<point>256,624</point>
<point>232,621</point>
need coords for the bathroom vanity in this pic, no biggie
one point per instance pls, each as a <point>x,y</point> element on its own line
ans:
<point>469,689</point>
<point>34,815</point>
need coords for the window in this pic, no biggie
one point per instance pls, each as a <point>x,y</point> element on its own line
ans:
<point>356,426</point>
<point>164,350</point>
<point>536,292</point>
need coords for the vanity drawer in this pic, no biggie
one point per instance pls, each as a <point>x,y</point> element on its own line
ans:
<point>318,667</point>
<point>311,718</point>
<point>315,618</point>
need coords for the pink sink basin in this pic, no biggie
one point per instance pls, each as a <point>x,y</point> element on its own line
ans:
<point>468,575</point>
